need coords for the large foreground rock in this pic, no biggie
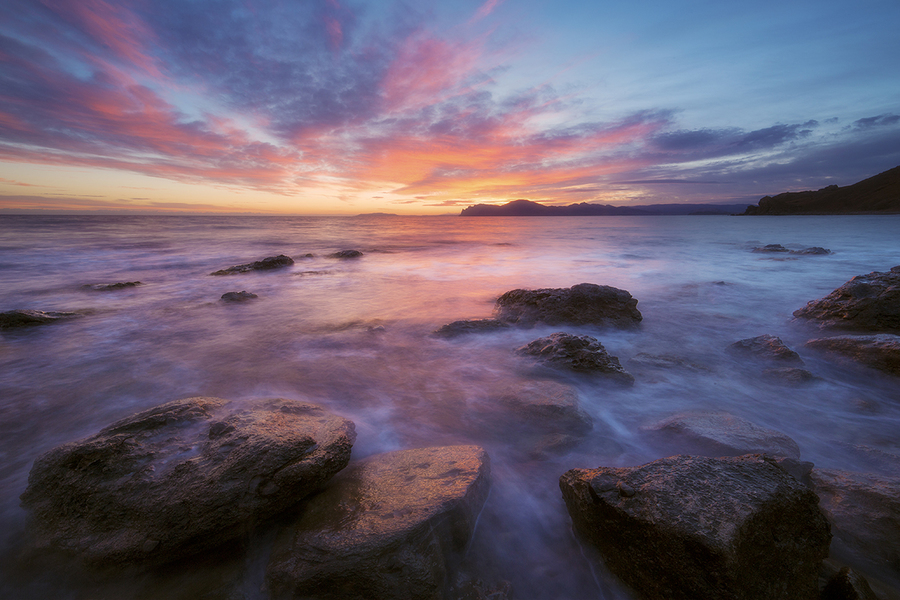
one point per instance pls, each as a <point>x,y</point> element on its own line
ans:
<point>865,303</point>
<point>390,526</point>
<point>182,477</point>
<point>878,351</point>
<point>697,528</point>
<point>722,434</point>
<point>266,264</point>
<point>581,353</point>
<point>14,319</point>
<point>582,304</point>
<point>864,511</point>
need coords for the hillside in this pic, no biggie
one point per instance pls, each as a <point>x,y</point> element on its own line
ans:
<point>879,194</point>
<point>527,208</point>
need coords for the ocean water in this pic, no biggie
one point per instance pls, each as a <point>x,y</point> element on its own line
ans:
<point>355,336</point>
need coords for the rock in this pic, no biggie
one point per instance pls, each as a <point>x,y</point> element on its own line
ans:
<point>346,254</point>
<point>581,353</point>
<point>698,528</point>
<point>241,296</point>
<point>880,351</point>
<point>771,248</point>
<point>182,477</point>
<point>393,526</point>
<point>789,375</point>
<point>847,584</point>
<point>815,250</point>
<point>722,434</point>
<point>765,347</point>
<point>458,328</point>
<point>266,264</point>
<point>582,304</point>
<point>864,511</point>
<point>666,361</point>
<point>865,303</point>
<point>109,287</point>
<point>14,319</point>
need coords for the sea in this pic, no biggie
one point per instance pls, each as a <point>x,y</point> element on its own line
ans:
<point>356,336</point>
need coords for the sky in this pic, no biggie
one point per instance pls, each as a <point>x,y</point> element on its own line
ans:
<point>352,106</point>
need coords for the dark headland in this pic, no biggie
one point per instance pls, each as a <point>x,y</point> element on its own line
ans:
<point>876,195</point>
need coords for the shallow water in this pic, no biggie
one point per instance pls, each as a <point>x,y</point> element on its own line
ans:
<point>315,333</point>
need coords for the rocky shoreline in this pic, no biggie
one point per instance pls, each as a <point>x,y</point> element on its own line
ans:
<point>742,516</point>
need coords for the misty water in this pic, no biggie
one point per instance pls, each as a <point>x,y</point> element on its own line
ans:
<point>355,336</point>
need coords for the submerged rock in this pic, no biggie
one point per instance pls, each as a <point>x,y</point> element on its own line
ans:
<point>266,264</point>
<point>722,434</point>
<point>789,375</point>
<point>864,511</point>
<point>182,477</point>
<point>581,353</point>
<point>392,525</point>
<point>109,287</point>
<point>14,319</point>
<point>880,351</point>
<point>697,528</point>
<point>771,248</point>
<point>458,328</point>
<point>866,303</point>
<point>778,248</point>
<point>582,304</point>
<point>815,250</point>
<point>346,254</point>
<point>241,296</point>
<point>765,347</point>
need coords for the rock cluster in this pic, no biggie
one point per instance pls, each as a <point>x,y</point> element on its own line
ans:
<point>582,304</point>
<point>266,264</point>
<point>693,528</point>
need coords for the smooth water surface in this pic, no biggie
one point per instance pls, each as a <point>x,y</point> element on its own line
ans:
<point>354,335</point>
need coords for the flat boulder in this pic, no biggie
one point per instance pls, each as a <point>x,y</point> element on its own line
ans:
<point>865,303</point>
<point>241,296</point>
<point>880,351</point>
<point>765,347</point>
<point>181,478</point>
<point>581,353</point>
<point>14,319</point>
<point>582,304</point>
<point>699,528</point>
<point>864,511</point>
<point>465,327</point>
<point>722,434</point>
<point>393,525</point>
<point>266,264</point>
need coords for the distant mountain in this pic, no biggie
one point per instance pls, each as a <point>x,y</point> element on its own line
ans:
<point>879,194</point>
<point>527,208</point>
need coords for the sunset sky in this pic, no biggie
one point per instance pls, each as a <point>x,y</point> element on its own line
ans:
<point>349,106</point>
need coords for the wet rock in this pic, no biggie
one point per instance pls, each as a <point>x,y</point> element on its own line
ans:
<point>581,353</point>
<point>864,511</point>
<point>266,264</point>
<point>865,303</point>
<point>880,351</point>
<point>458,328</point>
<point>346,254</point>
<point>697,528</point>
<point>241,296</point>
<point>666,361</point>
<point>765,347</point>
<point>582,304</point>
<point>110,287</point>
<point>182,477</point>
<point>14,319</point>
<point>815,250</point>
<point>722,434</point>
<point>539,417</point>
<point>771,248</point>
<point>789,375</point>
<point>847,584</point>
<point>392,525</point>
